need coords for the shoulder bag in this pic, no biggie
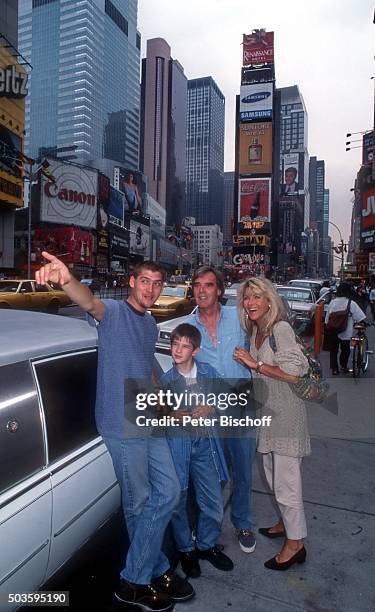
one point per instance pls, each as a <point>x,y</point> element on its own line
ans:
<point>338,321</point>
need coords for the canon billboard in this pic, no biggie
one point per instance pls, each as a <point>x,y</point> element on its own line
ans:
<point>71,198</point>
<point>256,102</point>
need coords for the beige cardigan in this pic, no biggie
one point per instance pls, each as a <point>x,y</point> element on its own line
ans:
<point>288,433</point>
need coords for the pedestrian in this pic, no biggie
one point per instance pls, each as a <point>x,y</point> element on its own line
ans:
<point>143,465</point>
<point>341,340</point>
<point>372,303</point>
<point>363,295</point>
<point>221,334</point>
<point>196,454</point>
<point>277,360</point>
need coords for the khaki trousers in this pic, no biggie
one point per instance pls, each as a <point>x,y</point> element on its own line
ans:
<point>283,475</point>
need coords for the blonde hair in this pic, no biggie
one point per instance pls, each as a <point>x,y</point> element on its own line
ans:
<point>277,311</point>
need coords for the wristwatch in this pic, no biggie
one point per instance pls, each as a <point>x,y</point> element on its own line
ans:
<point>258,366</point>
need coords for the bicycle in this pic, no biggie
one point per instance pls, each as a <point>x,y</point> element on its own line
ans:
<point>360,350</point>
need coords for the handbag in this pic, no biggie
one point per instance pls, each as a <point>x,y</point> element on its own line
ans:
<point>338,321</point>
<point>311,387</point>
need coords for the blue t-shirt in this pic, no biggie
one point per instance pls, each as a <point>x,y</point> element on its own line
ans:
<point>126,349</point>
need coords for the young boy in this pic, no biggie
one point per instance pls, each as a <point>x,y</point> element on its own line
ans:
<point>196,453</point>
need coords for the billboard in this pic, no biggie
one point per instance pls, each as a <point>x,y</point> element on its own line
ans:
<point>139,239</point>
<point>254,199</point>
<point>116,206</point>
<point>258,48</point>
<point>265,74</point>
<point>71,244</point>
<point>371,263</point>
<point>256,148</point>
<point>134,185</point>
<point>290,174</point>
<point>72,198</point>
<point>368,148</point>
<point>256,102</point>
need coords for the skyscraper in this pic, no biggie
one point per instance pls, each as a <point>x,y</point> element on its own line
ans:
<point>319,206</point>
<point>8,20</point>
<point>163,128</point>
<point>228,208</point>
<point>85,81</point>
<point>205,152</point>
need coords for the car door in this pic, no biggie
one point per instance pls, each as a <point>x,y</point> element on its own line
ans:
<point>85,492</point>
<point>41,297</point>
<point>25,295</point>
<point>25,486</point>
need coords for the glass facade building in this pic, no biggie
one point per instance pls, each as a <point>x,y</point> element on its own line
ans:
<point>84,89</point>
<point>9,20</point>
<point>205,152</point>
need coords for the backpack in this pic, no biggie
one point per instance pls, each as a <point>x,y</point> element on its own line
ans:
<point>311,387</point>
<point>338,321</point>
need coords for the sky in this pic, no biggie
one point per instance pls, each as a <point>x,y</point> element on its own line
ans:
<point>326,47</point>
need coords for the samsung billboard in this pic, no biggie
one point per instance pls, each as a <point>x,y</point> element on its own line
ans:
<point>256,102</point>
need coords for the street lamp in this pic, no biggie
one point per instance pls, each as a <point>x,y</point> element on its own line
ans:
<point>340,249</point>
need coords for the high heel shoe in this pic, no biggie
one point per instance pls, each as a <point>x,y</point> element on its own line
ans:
<point>265,531</point>
<point>299,557</point>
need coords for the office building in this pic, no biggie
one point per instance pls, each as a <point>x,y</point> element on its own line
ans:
<point>208,243</point>
<point>228,208</point>
<point>9,20</point>
<point>205,151</point>
<point>163,128</point>
<point>319,201</point>
<point>85,92</point>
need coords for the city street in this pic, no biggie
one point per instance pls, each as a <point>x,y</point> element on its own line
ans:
<point>339,499</point>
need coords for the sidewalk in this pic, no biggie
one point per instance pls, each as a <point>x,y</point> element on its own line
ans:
<point>339,494</point>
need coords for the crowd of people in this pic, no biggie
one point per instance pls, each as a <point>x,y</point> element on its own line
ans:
<point>174,480</point>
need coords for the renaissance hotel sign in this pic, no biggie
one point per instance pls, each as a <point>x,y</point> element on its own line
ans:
<point>72,198</point>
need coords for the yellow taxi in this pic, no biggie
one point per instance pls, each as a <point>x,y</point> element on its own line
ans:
<point>174,302</point>
<point>28,295</point>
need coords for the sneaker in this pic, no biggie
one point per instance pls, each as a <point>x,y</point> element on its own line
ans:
<point>217,558</point>
<point>190,564</point>
<point>177,588</point>
<point>246,540</point>
<point>145,596</point>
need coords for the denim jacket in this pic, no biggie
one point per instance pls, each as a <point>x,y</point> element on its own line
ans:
<point>181,446</point>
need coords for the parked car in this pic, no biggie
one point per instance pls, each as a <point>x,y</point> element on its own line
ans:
<point>92,283</point>
<point>165,328</point>
<point>307,283</point>
<point>57,483</point>
<point>28,295</point>
<point>302,302</point>
<point>173,301</point>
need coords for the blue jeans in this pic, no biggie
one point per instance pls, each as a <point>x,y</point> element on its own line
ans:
<point>241,453</point>
<point>150,491</point>
<point>209,498</point>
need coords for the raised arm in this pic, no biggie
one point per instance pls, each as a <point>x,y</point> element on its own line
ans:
<point>57,272</point>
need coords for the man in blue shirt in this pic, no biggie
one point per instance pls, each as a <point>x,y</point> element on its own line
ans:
<point>221,334</point>
<point>143,465</point>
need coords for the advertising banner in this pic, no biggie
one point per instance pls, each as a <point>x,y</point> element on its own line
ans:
<point>371,263</point>
<point>265,74</point>
<point>256,148</point>
<point>368,209</point>
<point>254,199</point>
<point>103,200</point>
<point>116,206</point>
<point>134,185</point>
<point>157,216</point>
<point>119,242</point>
<point>70,244</point>
<point>258,48</point>
<point>368,148</point>
<point>72,198</point>
<point>256,102</point>
<point>290,184</point>
<point>139,239</point>
<point>247,228</point>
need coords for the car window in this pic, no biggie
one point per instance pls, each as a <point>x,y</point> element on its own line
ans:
<point>21,432</point>
<point>67,387</point>
<point>26,287</point>
<point>173,291</point>
<point>41,288</point>
<point>8,286</point>
<point>297,295</point>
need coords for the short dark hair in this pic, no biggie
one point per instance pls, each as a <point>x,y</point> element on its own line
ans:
<point>185,330</point>
<point>218,275</point>
<point>291,169</point>
<point>345,290</point>
<point>151,266</point>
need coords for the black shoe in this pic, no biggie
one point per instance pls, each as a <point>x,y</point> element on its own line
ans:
<point>145,596</point>
<point>216,558</point>
<point>190,564</point>
<point>177,588</point>
<point>265,531</point>
<point>299,557</point>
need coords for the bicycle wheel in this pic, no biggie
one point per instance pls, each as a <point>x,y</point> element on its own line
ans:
<point>364,355</point>
<point>357,361</point>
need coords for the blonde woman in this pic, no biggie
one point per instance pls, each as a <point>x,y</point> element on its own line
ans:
<point>277,359</point>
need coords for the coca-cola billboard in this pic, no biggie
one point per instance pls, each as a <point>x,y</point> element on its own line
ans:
<point>70,198</point>
<point>254,199</point>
